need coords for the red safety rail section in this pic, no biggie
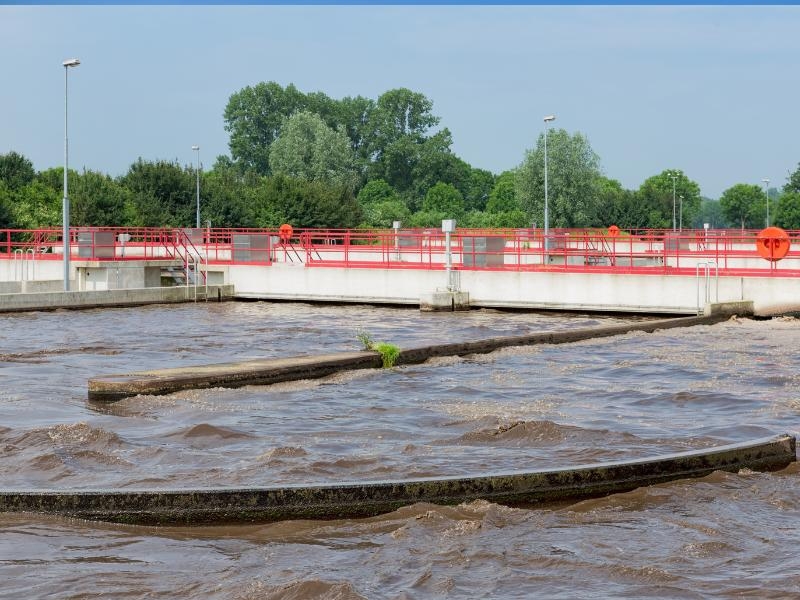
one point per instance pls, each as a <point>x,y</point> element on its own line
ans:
<point>733,252</point>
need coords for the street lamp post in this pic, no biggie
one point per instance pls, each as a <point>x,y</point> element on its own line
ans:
<point>547,120</point>
<point>197,185</point>
<point>674,177</point>
<point>72,62</point>
<point>680,213</point>
<point>766,191</point>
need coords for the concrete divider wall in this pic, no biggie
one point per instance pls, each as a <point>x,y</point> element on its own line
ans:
<point>355,500</point>
<point>93,299</point>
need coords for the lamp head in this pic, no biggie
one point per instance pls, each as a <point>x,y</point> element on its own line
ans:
<point>195,147</point>
<point>549,118</point>
<point>71,62</point>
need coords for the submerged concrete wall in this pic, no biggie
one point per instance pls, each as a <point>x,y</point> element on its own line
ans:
<point>108,388</point>
<point>355,500</point>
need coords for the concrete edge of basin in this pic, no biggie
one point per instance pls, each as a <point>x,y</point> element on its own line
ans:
<point>114,387</point>
<point>359,500</point>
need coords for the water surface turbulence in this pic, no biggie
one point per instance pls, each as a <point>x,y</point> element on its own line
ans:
<point>728,535</point>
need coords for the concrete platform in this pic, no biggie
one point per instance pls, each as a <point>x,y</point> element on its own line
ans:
<point>111,298</point>
<point>109,388</point>
<point>357,500</point>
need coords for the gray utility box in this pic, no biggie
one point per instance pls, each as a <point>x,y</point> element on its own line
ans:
<point>486,251</point>
<point>95,244</point>
<point>675,241</point>
<point>251,247</point>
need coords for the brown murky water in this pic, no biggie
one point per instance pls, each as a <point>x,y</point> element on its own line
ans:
<point>725,536</point>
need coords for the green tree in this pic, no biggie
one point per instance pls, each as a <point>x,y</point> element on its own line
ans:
<point>744,204</point>
<point>656,193</point>
<point>16,171</point>
<point>618,206</point>
<point>383,213</point>
<point>162,194</point>
<point>710,212</point>
<point>478,188</point>
<point>788,213</point>
<point>573,169</point>
<point>254,117</point>
<point>97,200</point>
<point>432,162</point>
<point>7,199</point>
<point>308,149</point>
<point>223,199</point>
<point>304,204</point>
<point>36,206</point>
<point>503,198</point>
<point>375,191</point>
<point>793,181</point>
<point>444,198</point>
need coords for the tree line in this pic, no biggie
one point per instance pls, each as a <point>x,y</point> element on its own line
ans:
<point>315,161</point>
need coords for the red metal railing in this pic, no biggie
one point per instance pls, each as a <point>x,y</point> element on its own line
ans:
<point>585,250</point>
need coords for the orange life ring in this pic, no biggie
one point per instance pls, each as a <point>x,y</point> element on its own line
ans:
<point>285,232</point>
<point>613,231</point>
<point>772,243</point>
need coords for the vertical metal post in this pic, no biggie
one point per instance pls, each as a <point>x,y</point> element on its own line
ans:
<point>65,200</point>
<point>674,177</point>
<point>766,192</point>
<point>72,62</point>
<point>197,185</point>
<point>547,121</point>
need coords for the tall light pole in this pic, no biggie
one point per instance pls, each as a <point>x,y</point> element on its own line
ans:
<point>680,213</point>
<point>674,177</point>
<point>547,120</point>
<point>197,185</point>
<point>71,62</point>
<point>766,191</point>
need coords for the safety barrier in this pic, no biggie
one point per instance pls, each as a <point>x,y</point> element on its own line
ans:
<point>732,252</point>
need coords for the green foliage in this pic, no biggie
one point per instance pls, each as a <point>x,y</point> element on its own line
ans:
<point>744,204</point>
<point>162,194</point>
<point>308,149</point>
<point>424,218</point>
<point>389,353</point>
<point>503,198</point>
<point>659,199</point>
<point>6,201</point>
<point>254,117</point>
<point>365,337</point>
<point>444,199</point>
<point>375,191</point>
<point>620,207</point>
<point>512,219</point>
<point>97,200</point>
<point>573,169</point>
<point>479,187</point>
<point>16,171</point>
<point>788,212</point>
<point>281,199</point>
<point>793,182</point>
<point>383,214</point>
<point>36,206</point>
<point>710,212</point>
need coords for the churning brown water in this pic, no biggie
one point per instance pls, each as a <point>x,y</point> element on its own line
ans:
<point>724,536</point>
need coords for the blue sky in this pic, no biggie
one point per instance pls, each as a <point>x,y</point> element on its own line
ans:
<point>713,90</point>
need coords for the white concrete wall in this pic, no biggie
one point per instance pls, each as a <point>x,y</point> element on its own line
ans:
<point>546,290</point>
